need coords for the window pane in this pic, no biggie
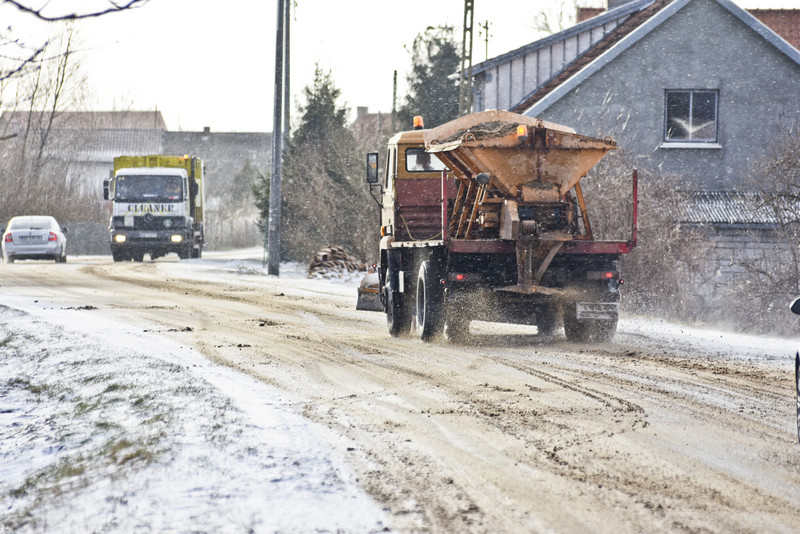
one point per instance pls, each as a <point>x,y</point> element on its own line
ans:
<point>704,113</point>
<point>417,160</point>
<point>678,123</point>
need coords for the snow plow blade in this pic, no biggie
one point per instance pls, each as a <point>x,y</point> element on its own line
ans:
<point>369,298</point>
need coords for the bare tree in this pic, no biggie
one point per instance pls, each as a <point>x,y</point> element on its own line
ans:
<point>18,57</point>
<point>772,264</point>
<point>50,13</point>
<point>556,16</point>
<point>33,172</point>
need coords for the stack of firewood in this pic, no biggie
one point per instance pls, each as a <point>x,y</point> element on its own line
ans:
<point>333,260</point>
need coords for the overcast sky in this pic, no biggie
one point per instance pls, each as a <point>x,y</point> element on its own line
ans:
<point>204,63</point>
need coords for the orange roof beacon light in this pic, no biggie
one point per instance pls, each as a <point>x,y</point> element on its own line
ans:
<point>418,123</point>
<point>522,133</point>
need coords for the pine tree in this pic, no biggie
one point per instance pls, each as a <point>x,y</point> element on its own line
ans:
<point>433,93</point>
<point>325,199</point>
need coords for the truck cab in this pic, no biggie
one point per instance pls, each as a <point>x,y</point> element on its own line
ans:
<point>156,207</point>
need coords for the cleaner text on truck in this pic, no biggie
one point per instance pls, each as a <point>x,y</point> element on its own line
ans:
<point>157,206</point>
<point>484,218</point>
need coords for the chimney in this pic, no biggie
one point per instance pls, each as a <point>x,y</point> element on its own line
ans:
<point>361,111</point>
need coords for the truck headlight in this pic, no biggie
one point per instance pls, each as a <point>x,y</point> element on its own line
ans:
<point>120,238</point>
<point>176,238</point>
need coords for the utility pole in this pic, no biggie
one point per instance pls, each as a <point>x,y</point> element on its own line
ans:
<point>274,253</point>
<point>465,89</point>
<point>485,28</point>
<point>286,77</point>
<point>394,102</point>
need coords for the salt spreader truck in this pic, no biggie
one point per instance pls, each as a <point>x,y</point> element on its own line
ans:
<point>484,218</point>
<point>157,206</point>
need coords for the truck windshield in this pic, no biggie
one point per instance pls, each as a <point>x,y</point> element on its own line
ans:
<point>148,188</point>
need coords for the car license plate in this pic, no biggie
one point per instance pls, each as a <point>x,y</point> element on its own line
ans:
<point>29,238</point>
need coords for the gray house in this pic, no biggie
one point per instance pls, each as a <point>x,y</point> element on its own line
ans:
<point>691,90</point>
<point>696,86</point>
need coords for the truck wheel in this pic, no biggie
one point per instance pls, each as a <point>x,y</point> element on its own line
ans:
<point>397,318</point>
<point>118,255</point>
<point>428,302</point>
<point>137,256</point>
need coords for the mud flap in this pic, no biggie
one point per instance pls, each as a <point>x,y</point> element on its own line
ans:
<point>608,311</point>
<point>797,387</point>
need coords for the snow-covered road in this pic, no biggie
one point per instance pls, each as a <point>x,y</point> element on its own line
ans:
<point>204,396</point>
<point>104,429</point>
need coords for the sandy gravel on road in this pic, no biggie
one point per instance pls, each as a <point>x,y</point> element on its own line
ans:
<point>655,432</point>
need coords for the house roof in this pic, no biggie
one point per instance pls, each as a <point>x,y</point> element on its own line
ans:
<point>784,22</point>
<point>647,17</point>
<point>103,145</point>
<point>724,207</point>
<point>87,120</point>
<point>371,124</point>
<point>599,21</point>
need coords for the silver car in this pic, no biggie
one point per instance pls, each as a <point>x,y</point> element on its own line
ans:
<point>34,237</point>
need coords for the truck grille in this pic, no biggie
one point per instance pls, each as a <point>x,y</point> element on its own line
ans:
<point>149,222</point>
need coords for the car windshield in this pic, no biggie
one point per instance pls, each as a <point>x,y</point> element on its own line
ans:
<point>30,223</point>
<point>148,188</point>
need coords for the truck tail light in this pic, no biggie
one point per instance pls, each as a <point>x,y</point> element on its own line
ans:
<point>465,277</point>
<point>602,275</point>
<point>53,237</point>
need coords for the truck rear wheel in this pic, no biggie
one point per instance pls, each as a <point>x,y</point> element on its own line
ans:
<point>429,302</point>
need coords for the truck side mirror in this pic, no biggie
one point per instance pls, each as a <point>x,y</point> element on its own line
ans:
<point>372,168</point>
<point>105,189</point>
<point>795,307</point>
